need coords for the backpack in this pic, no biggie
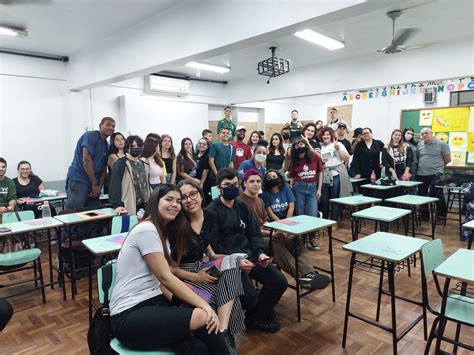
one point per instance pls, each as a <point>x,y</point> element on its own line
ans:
<point>99,334</point>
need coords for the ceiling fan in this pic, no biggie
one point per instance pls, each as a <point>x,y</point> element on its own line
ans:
<point>397,44</point>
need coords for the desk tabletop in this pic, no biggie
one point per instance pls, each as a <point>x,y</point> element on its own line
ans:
<point>300,224</point>
<point>355,200</point>
<point>452,189</point>
<point>469,225</point>
<point>382,213</point>
<point>30,226</point>
<point>386,246</point>
<point>105,245</point>
<point>458,266</point>
<point>413,200</point>
<point>379,187</point>
<point>408,183</point>
<point>354,180</point>
<point>86,216</point>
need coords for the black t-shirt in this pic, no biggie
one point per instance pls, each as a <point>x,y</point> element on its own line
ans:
<point>169,165</point>
<point>275,161</point>
<point>346,145</point>
<point>295,130</point>
<point>199,243</point>
<point>202,163</point>
<point>30,190</point>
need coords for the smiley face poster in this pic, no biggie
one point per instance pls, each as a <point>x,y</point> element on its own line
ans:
<point>458,141</point>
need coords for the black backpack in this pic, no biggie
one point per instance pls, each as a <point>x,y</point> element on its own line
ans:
<point>99,334</point>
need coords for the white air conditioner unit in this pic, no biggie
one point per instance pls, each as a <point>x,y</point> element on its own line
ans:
<point>162,85</point>
<point>429,96</point>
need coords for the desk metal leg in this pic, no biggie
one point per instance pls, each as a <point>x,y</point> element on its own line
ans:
<point>355,235</point>
<point>50,259</point>
<point>297,278</point>
<point>433,210</point>
<point>442,318</point>
<point>460,213</point>
<point>331,259</point>
<point>379,297</point>
<point>90,286</point>
<point>391,285</point>
<point>413,216</point>
<point>348,300</point>
<point>61,263</point>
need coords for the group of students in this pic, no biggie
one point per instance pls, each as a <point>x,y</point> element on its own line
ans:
<point>161,268</point>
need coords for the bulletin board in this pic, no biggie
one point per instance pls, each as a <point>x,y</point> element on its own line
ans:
<point>454,125</point>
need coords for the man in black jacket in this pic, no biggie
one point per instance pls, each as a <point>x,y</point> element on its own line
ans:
<point>238,232</point>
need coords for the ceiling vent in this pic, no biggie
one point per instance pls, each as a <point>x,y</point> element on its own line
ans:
<point>273,66</point>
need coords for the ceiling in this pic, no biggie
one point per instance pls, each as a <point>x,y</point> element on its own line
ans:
<point>440,21</point>
<point>63,27</point>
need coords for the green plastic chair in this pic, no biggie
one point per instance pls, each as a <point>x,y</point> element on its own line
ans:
<point>459,308</point>
<point>122,224</point>
<point>115,344</point>
<point>12,216</point>
<point>215,192</point>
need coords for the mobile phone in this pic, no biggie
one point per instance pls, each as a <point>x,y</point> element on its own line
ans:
<point>264,262</point>
<point>214,272</point>
<point>5,230</point>
<point>92,214</point>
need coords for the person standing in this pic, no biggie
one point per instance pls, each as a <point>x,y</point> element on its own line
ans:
<point>397,157</point>
<point>433,156</point>
<point>86,174</point>
<point>242,150</point>
<point>294,125</point>
<point>226,122</point>
<point>333,120</point>
<point>285,134</point>
<point>221,153</point>
<point>169,157</point>
<point>7,190</point>
<point>341,132</point>
<point>276,155</point>
<point>367,156</point>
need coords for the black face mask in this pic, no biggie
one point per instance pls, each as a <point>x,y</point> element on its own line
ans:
<point>273,182</point>
<point>135,152</point>
<point>285,135</point>
<point>300,150</point>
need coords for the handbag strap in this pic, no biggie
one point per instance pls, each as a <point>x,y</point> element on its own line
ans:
<point>17,216</point>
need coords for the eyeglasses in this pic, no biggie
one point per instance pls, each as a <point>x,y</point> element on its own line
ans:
<point>191,196</point>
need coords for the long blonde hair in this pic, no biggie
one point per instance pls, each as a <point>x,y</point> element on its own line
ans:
<point>401,145</point>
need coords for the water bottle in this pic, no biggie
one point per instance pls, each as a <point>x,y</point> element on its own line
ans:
<point>46,210</point>
<point>373,177</point>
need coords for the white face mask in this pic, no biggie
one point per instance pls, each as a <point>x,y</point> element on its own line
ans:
<point>408,136</point>
<point>260,158</point>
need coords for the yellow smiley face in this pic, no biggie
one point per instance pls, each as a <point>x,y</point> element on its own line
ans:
<point>458,140</point>
<point>443,137</point>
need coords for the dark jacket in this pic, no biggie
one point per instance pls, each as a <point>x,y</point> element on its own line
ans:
<point>237,230</point>
<point>365,160</point>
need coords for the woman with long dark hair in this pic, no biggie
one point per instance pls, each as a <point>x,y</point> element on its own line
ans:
<point>189,244</point>
<point>141,315</point>
<point>276,155</point>
<point>306,172</point>
<point>186,166</point>
<point>253,140</point>
<point>203,170</point>
<point>169,157</point>
<point>116,149</point>
<point>129,183</point>
<point>409,138</point>
<point>151,156</point>
<point>28,185</point>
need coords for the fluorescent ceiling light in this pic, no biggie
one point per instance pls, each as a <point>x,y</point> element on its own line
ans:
<point>320,39</point>
<point>14,32</point>
<point>208,67</point>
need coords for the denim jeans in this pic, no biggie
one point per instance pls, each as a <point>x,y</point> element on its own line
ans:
<point>78,196</point>
<point>328,192</point>
<point>306,200</point>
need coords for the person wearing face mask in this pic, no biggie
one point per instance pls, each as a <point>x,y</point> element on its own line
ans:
<point>285,134</point>
<point>242,150</point>
<point>129,184</point>
<point>306,172</point>
<point>257,162</point>
<point>238,232</point>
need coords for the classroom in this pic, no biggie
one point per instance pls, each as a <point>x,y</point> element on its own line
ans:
<point>236,177</point>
